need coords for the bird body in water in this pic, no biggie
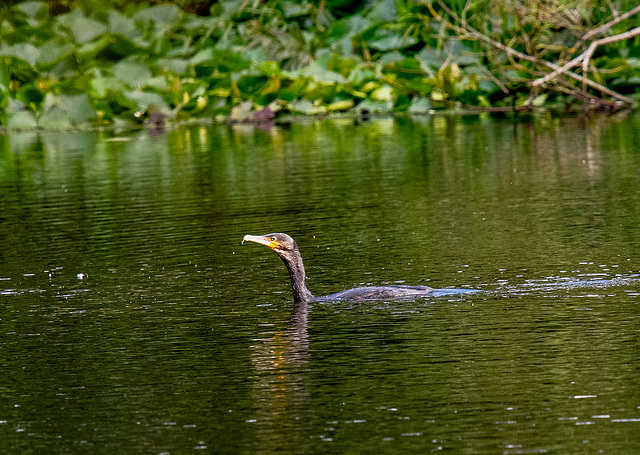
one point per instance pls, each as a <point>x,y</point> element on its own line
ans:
<point>288,251</point>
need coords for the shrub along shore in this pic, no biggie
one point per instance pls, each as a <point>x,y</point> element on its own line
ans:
<point>244,60</point>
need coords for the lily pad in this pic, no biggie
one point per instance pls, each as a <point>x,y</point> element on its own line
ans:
<point>52,52</point>
<point>84,29</point>
<point>64,111</point>
<point>26,52</point>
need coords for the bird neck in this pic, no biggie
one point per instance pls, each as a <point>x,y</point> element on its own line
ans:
<point>298,278</point>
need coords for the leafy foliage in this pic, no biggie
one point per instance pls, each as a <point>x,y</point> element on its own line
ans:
<point>102,64</point>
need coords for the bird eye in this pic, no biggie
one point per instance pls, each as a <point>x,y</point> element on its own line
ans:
<point>273,239</point>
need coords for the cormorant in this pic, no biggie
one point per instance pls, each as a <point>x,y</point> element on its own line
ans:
<point>287,249</point>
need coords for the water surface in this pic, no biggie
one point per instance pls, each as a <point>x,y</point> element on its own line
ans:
<point>134,321</point>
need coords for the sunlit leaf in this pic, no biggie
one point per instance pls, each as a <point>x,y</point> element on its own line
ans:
<point>345,29</point>
<point>122,25</point>
<point>301,107</point>
<point>84,29</point>
<point>419,105</point>
<point>26,52</point>
<point>431,57</point>
<point>340,106</point>
<point>384,10</point>
<point>132,74</point>
<point>437,95</point>
<point>459,53</point>
<point>37,12</point>
<point>392,58</point>
<point>145,99</point>
<point>384,93</point>
<point>319,73</point>
<point>52,52</point>
<point>175,65</point>
<point>386,40</point>
<point>375,106</point>
<point>100,86</point>
<point>21,120</point>
<point>33,9</point>
<point>161,16</point>
<point>540,99</point>
<point>483,101</point>
<point>63,111</point>
<point>241,112</point>
<point>18,117</point>
<point>292,10</point>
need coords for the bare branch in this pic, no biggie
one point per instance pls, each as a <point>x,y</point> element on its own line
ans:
<point>610,39</point>
<point>473,33</point>
<point>603,28</point>
<point>586,56</point>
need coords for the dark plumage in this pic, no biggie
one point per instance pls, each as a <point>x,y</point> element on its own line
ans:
<point>288,251</point>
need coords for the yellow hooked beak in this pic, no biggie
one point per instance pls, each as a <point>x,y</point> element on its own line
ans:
<point>266,240</point>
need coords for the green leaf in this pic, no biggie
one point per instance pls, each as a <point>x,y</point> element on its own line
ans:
<point>99,87</point>
<point>90,48</point>
<point>174,65</point>
<point>251,85</point>
<point>144,100</point>
<point>402,103</point>
<point>340,106</point>
<point>242,111</point>
<point>122,25</point>
<point>269,69</point>
<point>161,16</point>
<point>360,76</point>
<point>37,12</point>
<point>18,117</point>
<point>26,52</point>
<point>384,93</point>
<point>33,9</point>
<point>431,57</point>
<point>223,60</point>
<point>64,111</point>
<point>52,52</point>
<point>66,68</point>
<point>319,73</point>
<point>348,27</point>
<point>392,57</point>
<point>266,99</point>
<point>292,10</point>
<point>386,40</point>
<point>5,82</point>
<point>29,95</point>
<point>483,101</point>
<point>420,105</point>
<point>376,106</point>
<point>301,107</point>
<point>23,120</point>
<point>384,10</point>
<point>540,99</point>
<point>84,29</point>
<point>132,74</point>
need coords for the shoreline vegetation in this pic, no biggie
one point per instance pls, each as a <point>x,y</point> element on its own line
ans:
<point>75,64</point>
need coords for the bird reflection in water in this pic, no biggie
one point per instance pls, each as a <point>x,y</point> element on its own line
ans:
<point>281,361</point>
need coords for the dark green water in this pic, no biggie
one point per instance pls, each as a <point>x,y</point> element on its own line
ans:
<point>132,320</point>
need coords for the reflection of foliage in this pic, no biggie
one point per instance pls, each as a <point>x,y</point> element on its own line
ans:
<point>109,64</point>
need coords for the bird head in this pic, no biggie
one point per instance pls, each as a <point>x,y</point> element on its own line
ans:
<point>278,242</point>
